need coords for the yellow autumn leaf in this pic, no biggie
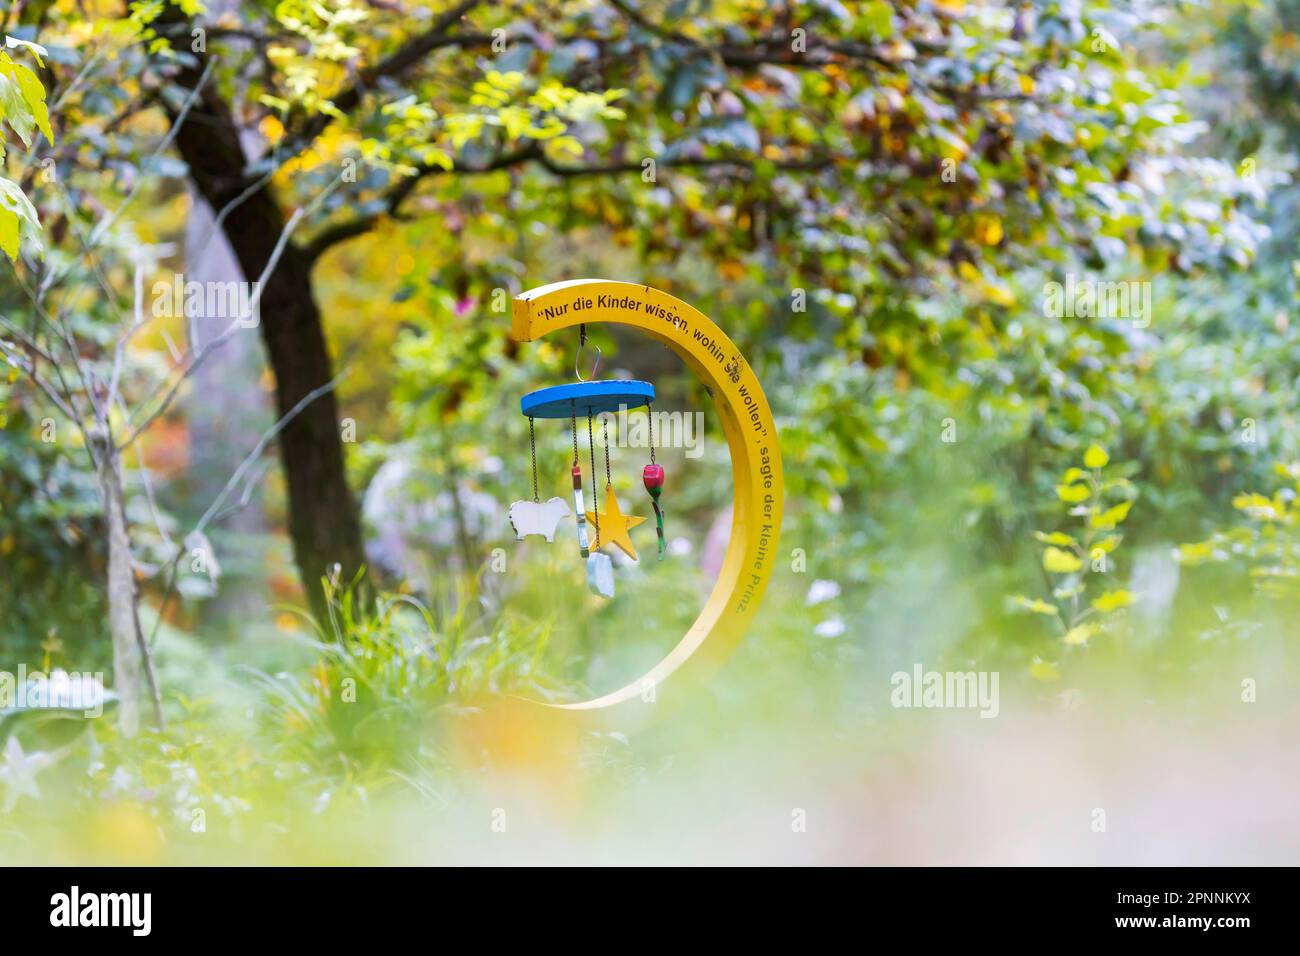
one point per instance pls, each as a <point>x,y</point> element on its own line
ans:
<point>1078,634</point>
<point>1107,544</point>
<point>998,294</point>
<point>1109,518</point>
<point>9,232</point>
<point>1058,538</point>
<point>271,128</point>
<point>1034,604</point>
<point>1056,561</point>
<point>568,146</point>
<point>1258,506</point>
<point>1095,457</point>
<point>1196,553</point>
<point>988,230</point>
<point>1113,600</point>
<point>1072,494</point>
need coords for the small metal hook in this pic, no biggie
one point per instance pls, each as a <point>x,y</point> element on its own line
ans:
<point>577,359</point>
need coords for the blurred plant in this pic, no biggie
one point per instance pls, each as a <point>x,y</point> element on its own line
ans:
<point>51,545</point>
<point>1268,543</point>
<point>373,701</point>
<point>1102,503</point>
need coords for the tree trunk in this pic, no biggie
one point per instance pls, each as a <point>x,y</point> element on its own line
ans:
<point>323,521</point>
<point>226,413</point>
<point>121,586</point>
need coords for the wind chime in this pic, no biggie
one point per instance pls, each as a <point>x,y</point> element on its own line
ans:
<point>589,399</point>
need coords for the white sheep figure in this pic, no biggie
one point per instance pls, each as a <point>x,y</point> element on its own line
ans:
<point>531,517</point>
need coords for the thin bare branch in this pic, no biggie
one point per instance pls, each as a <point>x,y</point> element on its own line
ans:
<point>267,437</point>
<point>241,473</point>
<point>198,357</point>
<point>25,363</point>
<point>103,228</point>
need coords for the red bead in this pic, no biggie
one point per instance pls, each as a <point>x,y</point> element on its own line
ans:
<point>577,477</point>
<point>653,476</point>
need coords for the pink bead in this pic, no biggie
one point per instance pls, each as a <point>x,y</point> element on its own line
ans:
<point>653,476</point>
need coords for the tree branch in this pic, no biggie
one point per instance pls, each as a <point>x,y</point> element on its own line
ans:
<point>396,194</point>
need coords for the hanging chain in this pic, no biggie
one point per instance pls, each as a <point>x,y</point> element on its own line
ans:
<point>573,428</point>
<point>604,426</point>
<point>595,505</point>
<point>532,447</point>
<point>650,417</point>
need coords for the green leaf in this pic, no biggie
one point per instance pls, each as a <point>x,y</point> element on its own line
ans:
<point>36,49</point>
<point>18,221</point>
<point>34,95</point>
<point>877,18</point>
<point>13,105</point>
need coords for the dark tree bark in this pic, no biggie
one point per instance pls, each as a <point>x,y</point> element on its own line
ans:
<point>323,521</point>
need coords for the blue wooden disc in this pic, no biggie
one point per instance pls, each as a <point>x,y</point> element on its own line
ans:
<point>586,398</point>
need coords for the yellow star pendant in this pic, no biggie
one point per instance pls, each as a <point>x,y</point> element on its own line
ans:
<point>614,525</point>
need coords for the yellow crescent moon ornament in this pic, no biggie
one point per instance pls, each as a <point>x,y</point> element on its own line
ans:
<point>757,478</point>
